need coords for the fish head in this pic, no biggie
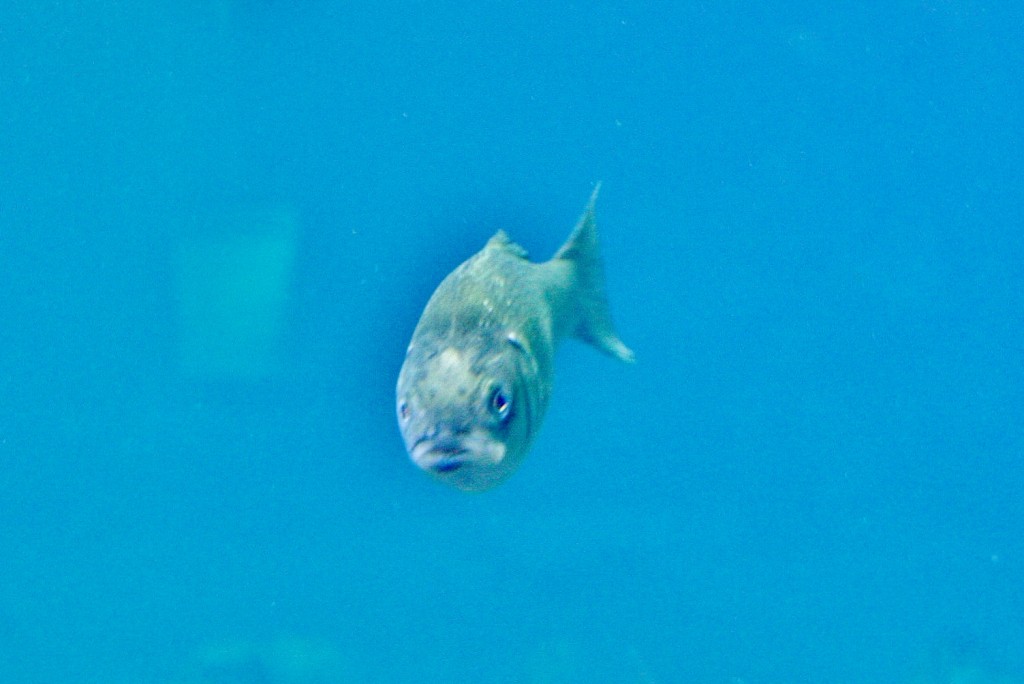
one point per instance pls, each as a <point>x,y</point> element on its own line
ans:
<point>466,410</point>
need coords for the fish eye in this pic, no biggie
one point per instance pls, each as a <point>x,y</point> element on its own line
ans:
<point>403,410</point>
<point>500,402</point>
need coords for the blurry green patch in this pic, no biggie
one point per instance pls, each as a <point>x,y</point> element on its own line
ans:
<point>283,660</point>
<point>234,286</point>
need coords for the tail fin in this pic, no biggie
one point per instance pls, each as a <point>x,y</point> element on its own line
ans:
<point>583,252</point>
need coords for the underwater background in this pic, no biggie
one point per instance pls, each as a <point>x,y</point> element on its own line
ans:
<point>220,221</point>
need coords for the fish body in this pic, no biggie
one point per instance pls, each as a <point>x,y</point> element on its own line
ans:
<point>478,372</point>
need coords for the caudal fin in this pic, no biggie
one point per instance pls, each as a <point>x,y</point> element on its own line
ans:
<point>583,252</point>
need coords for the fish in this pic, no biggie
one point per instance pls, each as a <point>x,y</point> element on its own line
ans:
<point>478,372</point>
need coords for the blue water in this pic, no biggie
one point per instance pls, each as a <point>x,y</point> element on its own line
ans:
<point>219,222</point>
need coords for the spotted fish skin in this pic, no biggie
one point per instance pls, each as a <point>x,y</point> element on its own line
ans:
<point>478,373</point>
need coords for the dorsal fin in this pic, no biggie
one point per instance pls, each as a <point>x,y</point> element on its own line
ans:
<point>501,240</point>
<point>583,252</point>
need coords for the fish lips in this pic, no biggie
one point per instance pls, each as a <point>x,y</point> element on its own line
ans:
<point>448,454</point>
<point>447,464</point>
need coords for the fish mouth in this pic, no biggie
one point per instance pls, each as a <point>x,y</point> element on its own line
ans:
<point>447,454</point>
<point>447,464</point>
<point>440,459</point>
